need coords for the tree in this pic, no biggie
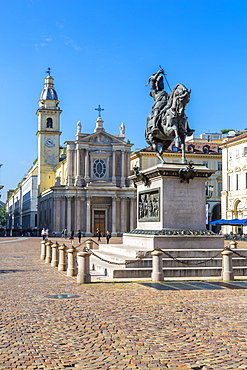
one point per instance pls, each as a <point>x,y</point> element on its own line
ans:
<point>2,215</point>
<point>226,130</point>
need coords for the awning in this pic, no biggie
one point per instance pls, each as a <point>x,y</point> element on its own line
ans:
<point>234,222</point>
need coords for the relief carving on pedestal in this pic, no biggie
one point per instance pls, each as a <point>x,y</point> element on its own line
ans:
<point>149,205</point>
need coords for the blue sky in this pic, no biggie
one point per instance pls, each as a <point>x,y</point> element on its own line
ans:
<point>103,52</point>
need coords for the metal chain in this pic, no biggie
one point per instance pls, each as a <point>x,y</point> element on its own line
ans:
<point>187,263</point>
<point>115,263</point>
<point>148,254</point>
<point>238,254</point>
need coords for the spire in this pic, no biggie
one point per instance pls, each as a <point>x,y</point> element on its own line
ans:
<point>49,93</point>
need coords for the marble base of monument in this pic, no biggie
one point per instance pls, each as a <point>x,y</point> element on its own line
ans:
<point>172,216</point>
<point>171,209</point>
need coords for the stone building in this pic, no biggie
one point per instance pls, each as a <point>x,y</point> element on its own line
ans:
<point>84,185</point>
<point>21,205</point>
<point>202,149</point>
<point>234,194</point>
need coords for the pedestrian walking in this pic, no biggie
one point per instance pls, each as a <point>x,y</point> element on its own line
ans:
<point>79,236</point>
<point>108,237</point>
<point>43,234</point>
<point>71,237</point>
<point>98,233</point>
<point>65,233</point>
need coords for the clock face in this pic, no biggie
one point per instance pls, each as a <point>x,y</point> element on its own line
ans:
<point>49,141</point>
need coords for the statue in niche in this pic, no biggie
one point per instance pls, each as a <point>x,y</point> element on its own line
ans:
<point>167,121</point>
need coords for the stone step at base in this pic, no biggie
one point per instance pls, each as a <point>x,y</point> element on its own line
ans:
<point>132,252</point>
<point>167,262</point>
<point>169,272</point>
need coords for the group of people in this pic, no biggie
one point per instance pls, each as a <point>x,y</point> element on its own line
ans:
<point>107,235</point>
<point>65,234</point>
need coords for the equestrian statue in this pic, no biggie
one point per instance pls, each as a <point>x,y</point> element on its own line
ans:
<point>168,121</point>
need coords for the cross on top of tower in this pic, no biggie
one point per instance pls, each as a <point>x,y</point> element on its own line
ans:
<point>48,71</point>
<point>99,109</point>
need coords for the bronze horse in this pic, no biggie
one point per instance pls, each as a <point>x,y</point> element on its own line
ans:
<point>171,123</point>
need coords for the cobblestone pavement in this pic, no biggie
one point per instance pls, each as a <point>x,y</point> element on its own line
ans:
<point>112,325</point>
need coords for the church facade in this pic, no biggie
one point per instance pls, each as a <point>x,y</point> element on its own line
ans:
<point>84,185</point>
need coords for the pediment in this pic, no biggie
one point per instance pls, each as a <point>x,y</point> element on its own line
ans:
<point>100,137</point>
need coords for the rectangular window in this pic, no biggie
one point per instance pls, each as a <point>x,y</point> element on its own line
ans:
<point>219,166</point>
<point>237,184</point>
<point>229,182</point>
<point>237,153</point>
<point>219,189</point>
<point>245,150</point>
<point>230,155</point>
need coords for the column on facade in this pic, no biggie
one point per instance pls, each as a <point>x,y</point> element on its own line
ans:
<point>132,214</point>
<point>78,214</point>
<point>114,216</point>
<point>78,169</point>
<point>113,166</point>
<point>123,214</point>
<point>87,166</point>
<point>88,219</point>
<point>57,215</point>
<point>63,213</point>
<point>122,169</point>
<point>69,214</point>
<point>118,216</point>
<point>69,167</point>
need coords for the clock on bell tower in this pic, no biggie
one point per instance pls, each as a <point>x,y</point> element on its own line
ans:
<point>48,134</point>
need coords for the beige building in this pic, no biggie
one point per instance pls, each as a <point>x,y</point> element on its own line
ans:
<point>234,194</point>
<point>84,185</point>
<point>203,149</point>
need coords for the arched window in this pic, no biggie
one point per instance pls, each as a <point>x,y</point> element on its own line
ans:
<point>49,123</point>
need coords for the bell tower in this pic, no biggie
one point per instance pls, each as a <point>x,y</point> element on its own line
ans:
<point>48,134</point>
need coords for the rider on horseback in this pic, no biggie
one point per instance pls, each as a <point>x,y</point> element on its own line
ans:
<point>168,121</point>
<point>160,96</point>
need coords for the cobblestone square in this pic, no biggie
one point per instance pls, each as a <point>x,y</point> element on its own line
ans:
<point>112,325</point>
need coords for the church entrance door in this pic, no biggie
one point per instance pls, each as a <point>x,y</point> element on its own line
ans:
<point>99,221</point>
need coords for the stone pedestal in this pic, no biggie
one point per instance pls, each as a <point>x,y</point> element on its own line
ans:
<point>171,209</point>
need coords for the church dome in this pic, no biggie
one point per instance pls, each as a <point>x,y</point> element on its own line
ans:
<point>48,93</point>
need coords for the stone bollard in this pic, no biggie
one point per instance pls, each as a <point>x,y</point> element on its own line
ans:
<point>227,271</point>
<point>54,254</point>
<point>61,261</point>
<point>43,250</point>
<point>157,273</point>
<point>71,261</point>
<point>83,276</point>
<point>89,244</point>
<point>48,252</point>
<point>233,244</point>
